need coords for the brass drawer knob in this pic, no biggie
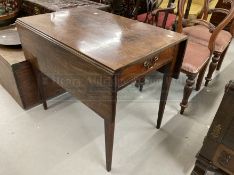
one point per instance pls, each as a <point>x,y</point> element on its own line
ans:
<point>150,63</point>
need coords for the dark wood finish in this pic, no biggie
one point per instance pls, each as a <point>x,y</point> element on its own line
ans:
<point>140,83</point>
<point>36,7</point>
<point>109,140</point>
<point>164,93</point>
<point>16,76</point>
<point>211,45</point>
<point>151,17</point>
<point>191,75</point>
<point>7,79</point>
<point>41,90</point>
<point>153,12</point>
<point>186,14</point>
<point>229,15</point>
<point>218,17</point>
<point>187,91</point>
<point>221,59</point>
<point>217,152</point>
<point>218,55</point>
<point>200,77</point>
<point>212,67</point>
<point>107,53</point>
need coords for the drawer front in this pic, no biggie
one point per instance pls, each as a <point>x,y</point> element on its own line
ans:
<point>138,69</point>
<point>224,159</point>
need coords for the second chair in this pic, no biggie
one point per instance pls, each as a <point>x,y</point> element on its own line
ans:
<point>202,32</point>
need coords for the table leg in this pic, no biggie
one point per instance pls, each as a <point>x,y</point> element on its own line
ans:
<point>164,93</point>
<point>41,88</point>
<point>109,140</point>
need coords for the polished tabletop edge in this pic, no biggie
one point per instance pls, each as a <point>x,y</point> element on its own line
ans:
<point>66,47</point>
<point>124,39</point>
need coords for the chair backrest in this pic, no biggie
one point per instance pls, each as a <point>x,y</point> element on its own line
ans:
<point>150,6</point>
<point>165,17</point>
<point>214,30</point>
<point>197,7</point>
<point>229,17</point>
<point>9,9</point>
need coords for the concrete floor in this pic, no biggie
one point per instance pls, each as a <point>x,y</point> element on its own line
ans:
<point>68,138</point>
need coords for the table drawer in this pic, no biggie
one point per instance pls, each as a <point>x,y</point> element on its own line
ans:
<point>224,159</point>
<point>151,63</point>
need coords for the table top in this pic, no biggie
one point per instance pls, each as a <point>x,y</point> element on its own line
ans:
<point>108,40</point>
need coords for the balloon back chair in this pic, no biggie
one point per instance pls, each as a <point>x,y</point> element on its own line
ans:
<point>202,32</point>
<point>198,54</point>
<point>161,17</point>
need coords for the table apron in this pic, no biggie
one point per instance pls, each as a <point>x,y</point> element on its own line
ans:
<point>91,84</point>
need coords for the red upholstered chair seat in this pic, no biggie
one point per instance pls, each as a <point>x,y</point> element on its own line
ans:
<point>196,56</point>
<point>169,23</point>
<point>200,34</point>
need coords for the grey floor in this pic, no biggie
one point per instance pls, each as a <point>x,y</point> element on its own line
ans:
<point>68,138</point>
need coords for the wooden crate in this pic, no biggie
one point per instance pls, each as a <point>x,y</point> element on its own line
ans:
<point>17,77</point>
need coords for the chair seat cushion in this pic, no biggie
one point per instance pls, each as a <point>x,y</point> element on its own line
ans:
<point>201,34</point>
<point>196,55</point>
<point>169,23</point>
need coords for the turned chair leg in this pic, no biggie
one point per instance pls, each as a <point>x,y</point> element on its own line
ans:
<point>212,67</point>
<point>221,59</point>
<point>200,77</point>
<point>187,91</point>
<point>140,83</point>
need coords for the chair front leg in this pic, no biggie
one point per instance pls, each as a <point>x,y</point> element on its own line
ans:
<point>212,67</point>
<point>221,59</point>
<point>140,83</point>
<point>200,77</point>
<point>187,91</point>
